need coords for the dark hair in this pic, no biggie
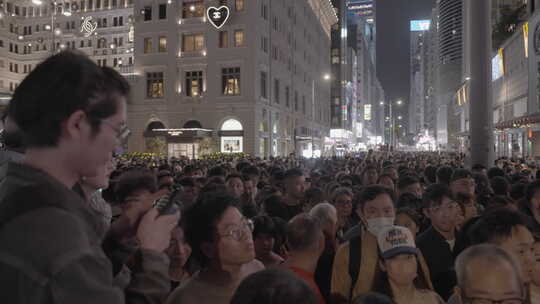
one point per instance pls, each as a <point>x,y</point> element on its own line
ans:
<point>372,298</point>
<point>444,174</point>
<point>293,173</point>
<point>434,195</point>
<point>202,218</point>
<point>406,181</point>
<point>412,213</point>
<point>495,171</point>
<point>478,167</point>
<point>59,86</point>
<point>499,201</point>
<point>251,170</point>
<point>517,191</point>
<point>264,224</point>
<point>273,286</point>
<point>133,180</point>
<point>314,194</point>
<point>369,193</point>
<point>241,165</point>
<point>430,172</point>
<point>217,171</point>
<point>409,200</point>
<point>187,182</point>
<point>530,190</point>
<point>460,173</point>
<point>500,185</point>
<point>231,176</point>
<point>495,226</point>
<point>303,232</point>
<point>462,199</point>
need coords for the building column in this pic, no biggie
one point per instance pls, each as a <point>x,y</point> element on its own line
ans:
<point>481,102</point>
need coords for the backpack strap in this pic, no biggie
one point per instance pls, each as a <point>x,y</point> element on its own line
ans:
<point>355,256</point>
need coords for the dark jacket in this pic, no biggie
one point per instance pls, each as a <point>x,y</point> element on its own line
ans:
<point>51,248</point>
<point>440,260</point>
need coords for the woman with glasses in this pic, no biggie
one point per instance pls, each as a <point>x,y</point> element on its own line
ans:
<point>222,243</point>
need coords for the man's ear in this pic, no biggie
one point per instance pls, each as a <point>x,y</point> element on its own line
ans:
<point>74,124</point>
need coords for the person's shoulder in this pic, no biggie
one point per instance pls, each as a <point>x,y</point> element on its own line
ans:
<point>188,292</point>
<point>425,236</point>
<point>429,296</point>
<point>254,266</point>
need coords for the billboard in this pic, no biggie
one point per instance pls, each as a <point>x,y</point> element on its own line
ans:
<point>367,112</point>
<point>420,25</point>
<point>497,65</point>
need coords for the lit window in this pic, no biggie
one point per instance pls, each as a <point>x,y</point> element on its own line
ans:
<point>147,45</point>
<point>194,83</point>
<point>230,78</point>
<point>154,85</point>
<point>223,39</point>
<point>162,44</point>
<point>239,5</point>
<point>192,42</point>
<point>193,9</point>
<point>264,93</point>
<point>239,38</point>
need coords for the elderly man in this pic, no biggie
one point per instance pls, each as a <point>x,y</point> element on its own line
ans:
<point>488,274</point>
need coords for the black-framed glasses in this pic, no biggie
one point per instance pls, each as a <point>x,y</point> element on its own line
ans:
<point>489,301</point>
<point>238,233</point>
<point>122,132</point>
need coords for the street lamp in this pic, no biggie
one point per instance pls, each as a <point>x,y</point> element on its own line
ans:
<point>391,119</point>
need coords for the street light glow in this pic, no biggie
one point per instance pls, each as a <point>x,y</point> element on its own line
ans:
<point>381,103</point>
<point>326,76</point>
<point>399,102</point>
<point>400,117</point>
<point>37,2</point>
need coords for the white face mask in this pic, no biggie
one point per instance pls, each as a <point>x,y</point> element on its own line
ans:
<point>376,225</point>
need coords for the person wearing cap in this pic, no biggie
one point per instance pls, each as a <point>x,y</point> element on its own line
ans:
<point>462,182</point>
<point>399,276</point>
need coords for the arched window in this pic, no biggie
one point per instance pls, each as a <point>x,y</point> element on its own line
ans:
<point>232,125</point>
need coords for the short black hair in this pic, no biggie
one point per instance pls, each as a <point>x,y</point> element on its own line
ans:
<point>187,182</point>
<point>273,286</point>
<point>478,167</point>
<point>201,220</point>
<point>460,174</point>
<point>264,224</point>
<point>434,195</point>
<point>495,226</point>
<point>525,204</point>
<point>409,200</point>
<point>517,191</point>
<point>500,185</point>
<point>58,87</point>
<point>133,180</point>
<point>293,173</point>
<point>444,174</point>
<point>406,181</point>
<point>495,171</point>
<point>251,171</point>
<point>430,172</point>
<point>217,171</point>
<point>234,175</point>
<point>369,193</point>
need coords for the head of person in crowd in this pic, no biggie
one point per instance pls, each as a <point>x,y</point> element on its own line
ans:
<point>83,125</point>
<point>375,207</point>
<point>409,200</point>
<point>305,238</point>
<point>235,185</point>
<point>386,180</point>
<point>342,199</point>
<point>494,172</point>
<point>500,185</point>
<point>294,184</point>
<point>165,179</point>
<point>488,274</point>
<point>398,270</point>
<point>392,171</point>
<point>192,171</point>
<point>409,184</point>
<point>217,171</point>
<point>501,201</point>
<point>530,205</point>
<point>508,230</point>
<point>479,168</point>
<point>517,191</point>
<point>11,138</point>
<point>190,190</point>
<point>241,166</point>
<point>277,177</point>
<point>535,279</point>
<point>313,196</point>
<point>264,238</point>
<point>273,286</point>
<point>134,186</point>
<point>219,235</point>
<point>253,174</point>
<point>462,182</point>
<point>179,252</point>
<point>372,298</point>
<point>369,176</point>
<point>467,204</point>
<point>444,175</point>
<point>430,175</point>
<point>410,219</point>
<point>327,215</point>
<point>281,237</point>
<point>441,209</point>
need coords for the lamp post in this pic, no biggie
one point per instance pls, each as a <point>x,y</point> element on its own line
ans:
<point>326,77</point>
<point>392,120</point>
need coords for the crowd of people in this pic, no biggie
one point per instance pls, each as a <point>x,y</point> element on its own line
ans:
<point>79,224</point>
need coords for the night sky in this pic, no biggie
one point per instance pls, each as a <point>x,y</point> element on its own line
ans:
<point>393,43</point>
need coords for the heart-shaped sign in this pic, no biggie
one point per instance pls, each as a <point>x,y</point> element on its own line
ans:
<point>217,15</point>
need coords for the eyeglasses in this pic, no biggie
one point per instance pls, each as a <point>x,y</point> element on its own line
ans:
<point>122,133</point>
<point>238,233</point>
<point>488,301</point>
<point>448,207</point>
